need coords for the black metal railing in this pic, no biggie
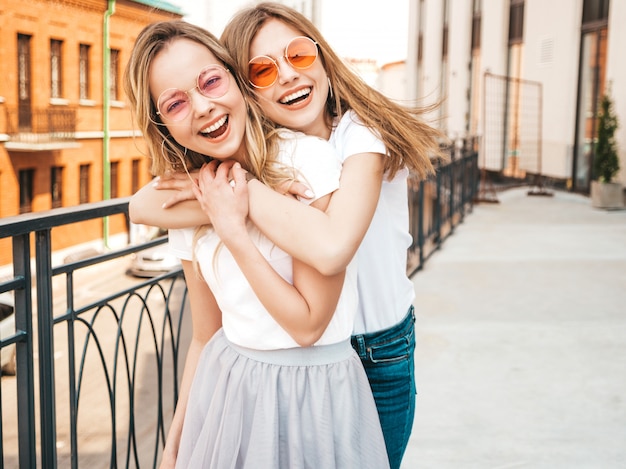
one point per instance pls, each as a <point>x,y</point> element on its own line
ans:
<point>37,126</point>
<point>99,355</point>
<point>440,203</point>
<point>98,360</point>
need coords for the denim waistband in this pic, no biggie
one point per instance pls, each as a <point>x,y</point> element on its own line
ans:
<point>361,341</point>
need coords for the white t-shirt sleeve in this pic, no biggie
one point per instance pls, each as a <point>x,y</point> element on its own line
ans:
<point>351,137</point>
<point>316,161</point>
<point>181,243</point>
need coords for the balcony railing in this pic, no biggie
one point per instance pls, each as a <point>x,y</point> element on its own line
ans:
<point>99,355</point>
<point>41,126</point>
<point>98,358</point>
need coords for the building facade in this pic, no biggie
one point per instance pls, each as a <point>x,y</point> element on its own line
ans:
<point>526,76</point>
<point>66,135</point>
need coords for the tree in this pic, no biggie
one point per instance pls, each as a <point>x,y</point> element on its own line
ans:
<point>605,160</point>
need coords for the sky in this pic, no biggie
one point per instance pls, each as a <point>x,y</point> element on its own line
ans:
<point>356,29</point>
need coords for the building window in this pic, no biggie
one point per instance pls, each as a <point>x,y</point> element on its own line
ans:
<point>83,71</point>
<point>56,186</point>
<point>113,74</point>
<point>516,22</point>
<point>135,176</point>
<point>83,189</point>
<point>595,10</point>
<point>420,47</point>
<point>475,70</point>
<point>516,38</point>
<point>27,177</point>
<point>114,179</point>
<point>444,35</point>
<point>56,78</point>
<point>444,81</point>
<point>476,20</point>
<point>23,82</point>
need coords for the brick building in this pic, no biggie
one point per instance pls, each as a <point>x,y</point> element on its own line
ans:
<point>55,149</point>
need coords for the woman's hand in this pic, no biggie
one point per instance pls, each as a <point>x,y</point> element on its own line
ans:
<point>223,195</point>
<point>294,189</point>
<point>179,182</point>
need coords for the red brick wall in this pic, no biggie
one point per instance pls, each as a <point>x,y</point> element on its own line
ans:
<point>74,22</point>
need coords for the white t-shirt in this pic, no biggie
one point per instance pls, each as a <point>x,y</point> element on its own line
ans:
<point>385,291</point>
<point>245,321</point>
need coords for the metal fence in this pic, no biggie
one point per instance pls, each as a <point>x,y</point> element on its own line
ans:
<point>97,371</point>
<point>439,204</point>
<point>98,368</point>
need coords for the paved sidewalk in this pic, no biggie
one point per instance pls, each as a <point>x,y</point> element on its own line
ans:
<point>521,339</point>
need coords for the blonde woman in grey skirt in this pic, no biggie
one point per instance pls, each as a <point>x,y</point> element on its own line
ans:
<point>270,379</point>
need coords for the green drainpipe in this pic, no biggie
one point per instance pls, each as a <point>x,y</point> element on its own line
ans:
<point>106,109</point>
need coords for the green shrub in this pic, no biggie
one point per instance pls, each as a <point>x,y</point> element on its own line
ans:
<point>605,160</point>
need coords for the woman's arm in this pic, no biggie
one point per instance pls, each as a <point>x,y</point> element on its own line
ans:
<point>206,319</point>
<point>326,240</point>
<point>147,207</point>
<point>169,201</point>
<point>303,309</point>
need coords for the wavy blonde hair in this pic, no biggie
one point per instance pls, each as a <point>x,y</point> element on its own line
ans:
<point>261,137</point>
<point>409,140</point>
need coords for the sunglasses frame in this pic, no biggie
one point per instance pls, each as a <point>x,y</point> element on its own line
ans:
<point>196,87</point>
<point>286,57</point>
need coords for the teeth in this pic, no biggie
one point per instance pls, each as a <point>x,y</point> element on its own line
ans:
<point>296,95</point>
<point>215,126</point>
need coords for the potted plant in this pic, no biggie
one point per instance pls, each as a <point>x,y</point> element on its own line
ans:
<point>605,193</point>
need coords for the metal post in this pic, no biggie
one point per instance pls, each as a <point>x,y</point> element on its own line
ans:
<point>45,322</point>
<point>24,353</point>
<point>420,222</point>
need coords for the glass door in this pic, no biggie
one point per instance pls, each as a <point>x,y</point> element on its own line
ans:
<point>591,86</point>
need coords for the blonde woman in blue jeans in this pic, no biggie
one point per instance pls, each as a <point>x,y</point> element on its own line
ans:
<point>300,83</point>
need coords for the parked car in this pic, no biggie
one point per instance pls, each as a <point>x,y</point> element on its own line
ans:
<point>152,262</point>
<point>7,329</point>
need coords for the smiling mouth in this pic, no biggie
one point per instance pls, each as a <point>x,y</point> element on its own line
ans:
<point>216,129</point>
<point>296,97</point>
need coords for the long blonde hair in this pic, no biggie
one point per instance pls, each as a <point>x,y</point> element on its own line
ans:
<point>409,140</point>
<point>261,138</point>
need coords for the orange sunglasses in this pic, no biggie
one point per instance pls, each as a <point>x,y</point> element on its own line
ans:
<point>300,53</point>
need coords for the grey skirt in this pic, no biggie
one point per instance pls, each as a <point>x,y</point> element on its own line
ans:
<point>297,408</point>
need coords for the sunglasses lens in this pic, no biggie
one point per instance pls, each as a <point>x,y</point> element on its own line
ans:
<point>301,52</point>
<point>213,82</point>
<point>174,104</point>
<point>262,72</point>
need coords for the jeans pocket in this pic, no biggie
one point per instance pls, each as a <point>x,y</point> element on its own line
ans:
<point>388,352</point>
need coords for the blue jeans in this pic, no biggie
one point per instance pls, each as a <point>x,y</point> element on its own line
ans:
<point>387,357</point>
